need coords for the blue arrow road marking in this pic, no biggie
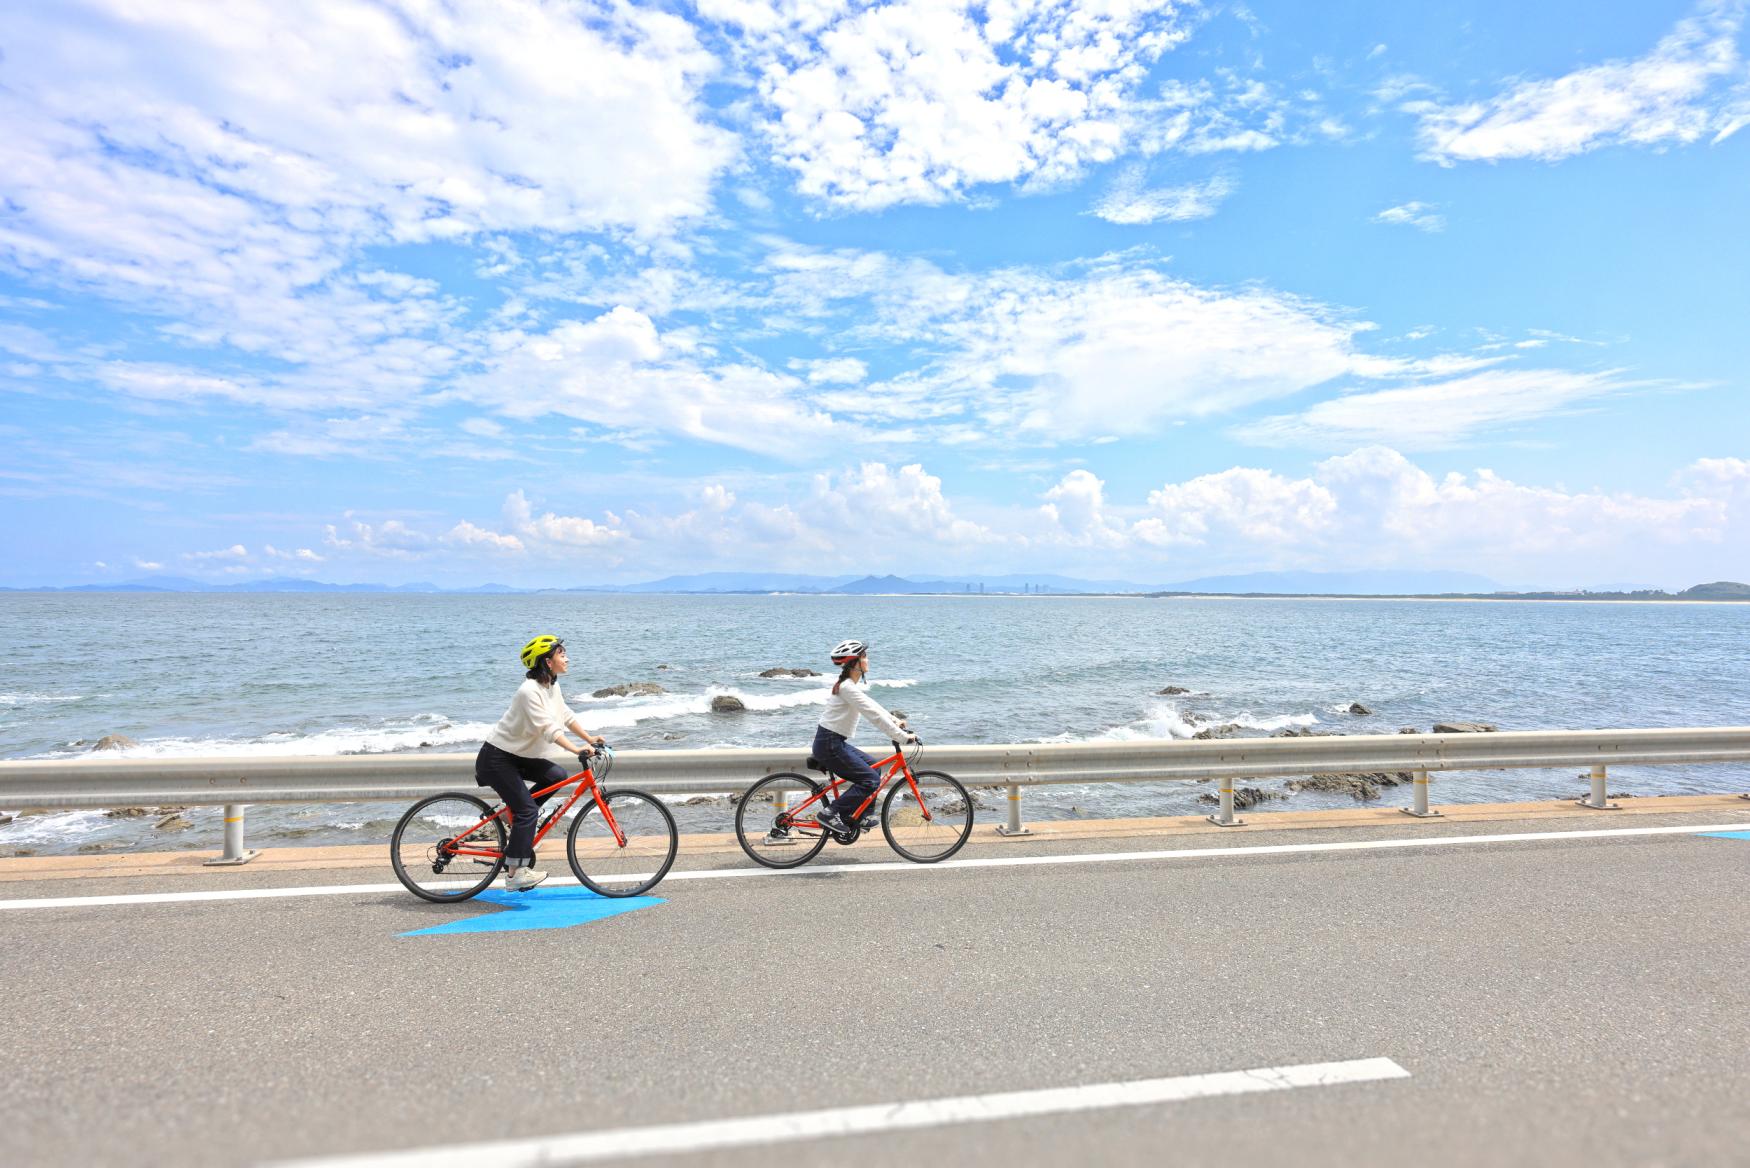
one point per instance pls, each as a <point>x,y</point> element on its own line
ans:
<point>541,908</point>
<point>1743,835</point>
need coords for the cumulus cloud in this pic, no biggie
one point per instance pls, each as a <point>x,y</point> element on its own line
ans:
<point>1370,508</point>
<point>1677,94</point>
<point>922,100</point>
<point>1129,201</point>
<point>620,372</point>
<point>1076,507</point>
<point>1421,216</point>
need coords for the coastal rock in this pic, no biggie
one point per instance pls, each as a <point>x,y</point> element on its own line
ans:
<point>699,800</point>
<point>1408,730</point>
<point>1245,797</point>
<point>174,823</point>
<point>727,704</point>
<point>955,806</point>
<point>1465,727</point>
<point>1358,708</point>
<point>665,667</point>
<point>4,819</point>
<point>1305,732</point>
<point>1222,731</point>
<point>780,671</point>
<point>167,810</point>
<point>114,742</point>
<point>91,847</point>
<point>126,813</point>
<point>1363,788</point>
<point>1171,691</point>
<point>629,689</point>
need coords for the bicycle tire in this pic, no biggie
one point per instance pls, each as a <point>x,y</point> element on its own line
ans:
<point>950,806</point>
<point>652,839</point>
<point>441,891</point>
<point>755,823</point>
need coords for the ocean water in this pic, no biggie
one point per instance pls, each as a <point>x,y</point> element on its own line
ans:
<point>323,674</point>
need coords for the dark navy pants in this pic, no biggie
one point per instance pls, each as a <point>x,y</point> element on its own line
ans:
<point>512,776</point>
<point>846,761</point>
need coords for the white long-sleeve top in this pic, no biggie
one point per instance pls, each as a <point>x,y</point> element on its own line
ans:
<point>532,726</point>
<point>853,702</point>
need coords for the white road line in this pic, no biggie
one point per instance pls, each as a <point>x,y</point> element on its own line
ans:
<point>714,1135</point>
<point>1433,841</point>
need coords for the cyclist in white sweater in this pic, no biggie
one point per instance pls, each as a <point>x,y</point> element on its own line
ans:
<point>512,760</point>
<point>850,702</point>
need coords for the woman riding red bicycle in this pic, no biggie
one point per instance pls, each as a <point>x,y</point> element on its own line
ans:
<point>512,760</point>
<point>849,704</point>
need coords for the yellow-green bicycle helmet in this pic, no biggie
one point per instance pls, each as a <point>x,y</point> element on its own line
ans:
<point>539,648</point>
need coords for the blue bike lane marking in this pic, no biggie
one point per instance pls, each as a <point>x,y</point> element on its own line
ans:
<point>540,908</point>
<point>1743,835</point>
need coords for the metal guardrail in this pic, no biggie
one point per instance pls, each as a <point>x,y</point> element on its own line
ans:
<point>236,781</point>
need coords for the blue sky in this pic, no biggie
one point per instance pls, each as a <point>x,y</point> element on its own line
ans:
<point>558,293</point>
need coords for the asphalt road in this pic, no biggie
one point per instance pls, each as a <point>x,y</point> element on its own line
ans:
<point>1554,1001</point>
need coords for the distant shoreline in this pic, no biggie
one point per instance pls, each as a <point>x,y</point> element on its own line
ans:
<point>1442,597</point>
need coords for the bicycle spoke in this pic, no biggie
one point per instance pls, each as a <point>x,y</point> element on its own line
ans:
<point>613,866</point>
<point>430,870</point>
<point>930,823</point>
<point>764,827</point>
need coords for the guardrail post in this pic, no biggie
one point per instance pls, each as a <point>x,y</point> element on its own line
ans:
<point>1225,816</point>
<point>234,851</point>
<point>1597,800</point>
<point>1014,825</point>
<point>1420,810</point>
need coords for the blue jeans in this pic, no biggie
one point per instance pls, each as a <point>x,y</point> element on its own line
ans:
<point>513,777</point>
<point>847,762</point>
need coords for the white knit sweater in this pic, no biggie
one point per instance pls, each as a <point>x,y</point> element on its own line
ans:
<point>533,724</point>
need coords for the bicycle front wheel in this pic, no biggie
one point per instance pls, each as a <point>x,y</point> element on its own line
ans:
<point>930,823</point>
<point>424,848</point>
<point>610,868</point>
<point>764,828</point>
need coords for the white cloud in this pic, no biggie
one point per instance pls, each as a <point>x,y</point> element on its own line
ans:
<point>1672,96</point>
<point>297,555</point>
<point>148,565</point>
<point>1128,201</point>
<point>1128,351</point>
<point>1371,508</point>
<point>1436,414</point>
<point>618,371</point>
<point>832,371</point>
<point>235,552</point>
<point>1243,503</point>
<point>227,175</point>
<point>1076,508</point>
<point>922,100</point>
<point>1422,216</point>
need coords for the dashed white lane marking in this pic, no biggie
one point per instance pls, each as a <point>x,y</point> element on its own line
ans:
<point>903,866</point>
<point>715,1135</point>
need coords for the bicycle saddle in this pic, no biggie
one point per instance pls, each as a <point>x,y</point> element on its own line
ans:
<point>814,764</point>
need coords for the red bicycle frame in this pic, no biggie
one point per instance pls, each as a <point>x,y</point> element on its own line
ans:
<point>585,780</point>
<point>896,763</point>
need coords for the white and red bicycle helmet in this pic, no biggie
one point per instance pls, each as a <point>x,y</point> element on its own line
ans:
<point>847,651</point>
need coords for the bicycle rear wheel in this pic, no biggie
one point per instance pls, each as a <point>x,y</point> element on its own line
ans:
<point>605,865</point>
<point>763,827</point>
<point>931,824</point>
<point>420,850</point>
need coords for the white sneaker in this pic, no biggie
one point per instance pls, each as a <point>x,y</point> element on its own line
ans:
<point>523,879</point>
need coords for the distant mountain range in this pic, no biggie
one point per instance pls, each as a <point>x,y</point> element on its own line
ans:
<point>1383,583</point>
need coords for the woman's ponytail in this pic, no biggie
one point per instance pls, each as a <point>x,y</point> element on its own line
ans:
<point>845,674</point>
